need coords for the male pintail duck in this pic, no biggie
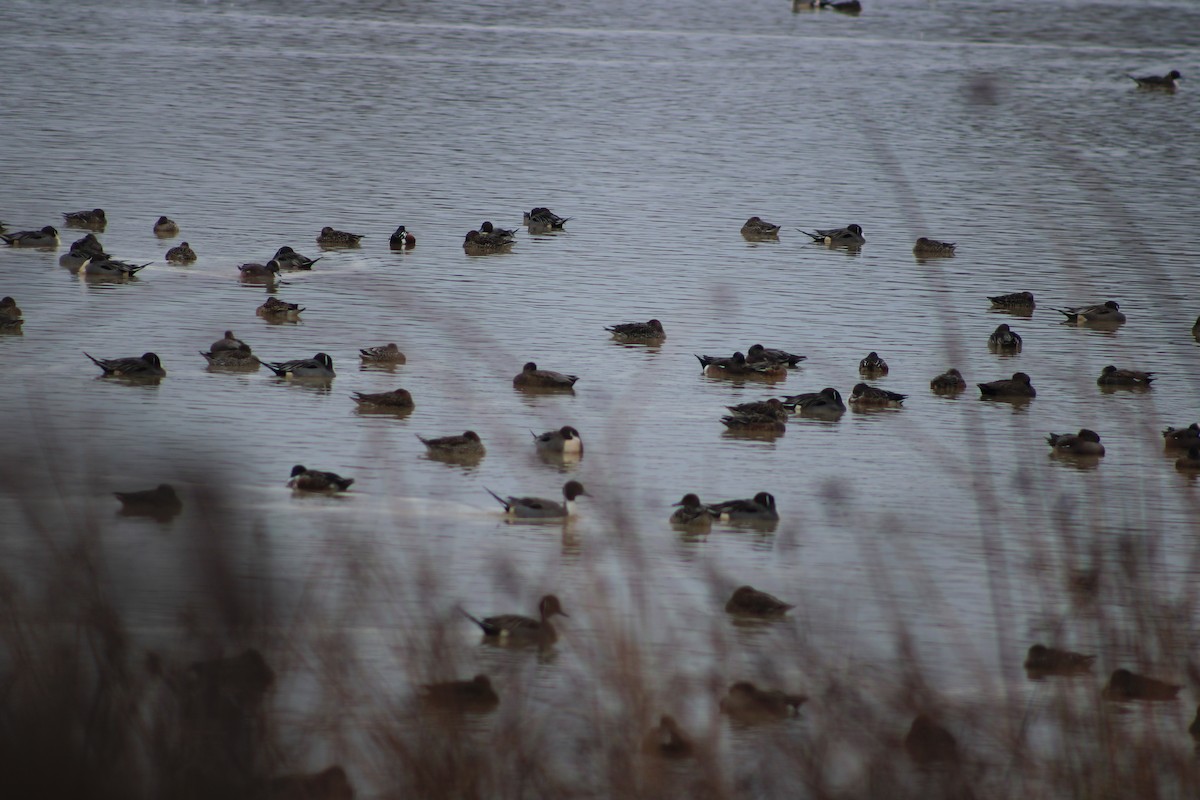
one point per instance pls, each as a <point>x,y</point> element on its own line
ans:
<point>1042,660</point>
<point>287,258</point>
<point>1084,443</point>
<point>736,366</point>
<point>397,398</point>
<point>1111,376</point>
<point>476,694</point>
<point>750,601</point>
<point>638,332</point>
<point>46,237</point>
<point>948,382</point>
<point>86,219</point>
<point>476,243</point>
<point>160,501</point>
<point>761,508</point>
<point>181,254</point>
<point>259,272</point>
<point>872,366</point>
<point>692,513</point>
<point>274,308</point>
<point>545,217</point>
<point>88,245</point>
<point>145,366</point>
<point>773,408</point>
<point>825,403</point>
<point>402,239</point>
<point>864,395</point>
<point>667,740</point>
<point>383,354</point>
<point>1020,301</point>
<point>1004,340</point>
<point>748,703</point>
<point>518,628</point>
<point>240,358</point>
<point>565,440</point>
<point>1166,82</point>
<point>1099,313</point>
<point>755,228</point>
<point>849,236</point>
<point>927,742</point>
<point>1182,438</point>
<point>488,229</point>
<point>932,248</point>
<point>468,445</point>
<point>531,377</point>
<point>165,226</point>
<point>228,342</point>
<point>319,366</point>
<point>754,424</point>
<point>9,309</point>
<point>1190,461</point>
<point>1017,386</point>
<point>1126,685</point>
<point>311,480</point>
<point>107,267</point>
<point>758,354</point>
<point>539,508</point>
<point>844,6</point>
<point>331,237</point>
<point>330,783</point>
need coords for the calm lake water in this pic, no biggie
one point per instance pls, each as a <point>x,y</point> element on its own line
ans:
<point>658,129</point>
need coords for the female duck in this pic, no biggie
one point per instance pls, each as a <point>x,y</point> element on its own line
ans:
<point>515,627</point>
<point>331,237</point>
<point>468,445</point>
<point>1019,385</point>
<point>872,366</point>
<point>864,395</point>
<point>1004,340</point>
<point>755,228</point>
<point>1084,443</point>
<point>949,382</point>
<point>692,513</point>
<point>750,601</point>
<point>638,332</point>
<point>383,354</point>
<point>531,377</point>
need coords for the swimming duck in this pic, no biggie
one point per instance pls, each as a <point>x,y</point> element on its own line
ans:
<point>108,267</point>
<point>754,423</point>
<point>165,226</point>
<point>692,513</point>
<point>1042,660</point>
<point>1182,438</point>
<point>1018,385</point>
<point>383,354</point>
<point>476,694</point>
<point>1017,300</point>
<point>844,6</point>
<point>9,309</point>
<point>331,237</point>
<point>160,502</point>
<point>538,508</point>
<point>759,509</point>
<point>46,237</point>
<point>402,239</point>
<point>531,377</point>
<point>311,480</point>
<point>477,243</point>
<point>932,248</point>
<point>319,366</point>
<point>1004,339</point>
<point>181,254</point>
<point>86,219</point>
<point>948,382</point>
<point>864,395</point>
<point>750,601</point>
<point>1084,443</point>
<point>638,332</point>
<point>545,217</point>
<point>330,783</point>
<point>747,703</point>
<point>1190,461</point>
<point>274,308</point>
<point>259,272</point>
<point>518,628</point>
<point>667,740</point>
<point>1126,685</point>
<point>89,245</point>
<point>872,366</point>
<point>240,358</point>
<point>486,228</point>
<point>755,228</point>
<point>1102,313</point>
<point>758,354</point>
<point>825,403</point>
<point>1157,81</point>
<point>397,398</point>
<point>468,445</point>
<point>736,366</point>
<point>849,236</point>
<point>1111,376</point>
<point>287,258</point>
<point>927,742</point>
<point>145,366</point>
<point>772,408</point>
<point>565,440</point>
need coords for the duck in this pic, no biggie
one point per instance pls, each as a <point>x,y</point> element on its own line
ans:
<point>514,627</point>
<point>750,601</point>
<point>476,694</point>
<point>1166,82</point>
<point>161,501</point>
<point>843,6</point>
<point>76,261</point>
<point>1182,438</point>
<point>486,228</point>
<point>667,740</point>
<point>1018,385</point>
<point>319,366</point>
<point>545,217</point>
<point>397,398</point>
<point>638,332</point>
<point>748,703</point>
<point>736,366</point>
<point>273,307</point>
<point>872,366</point>
<point>402,239</point>
<point>330,783</point>
<point>287,258</point>
<point>182,253</point>
<point>9,309</point>
<point>1190,461</point>
<point>531,377</point>
<point>755,228</point>
<point>476,243</point>
<point>948,382</point>
<point>539,508</point>
<point>383,354</point>
<point>1042,660</point>
<point>311,480</point>
<point>165,226</point>
<point>11,324</point>
<point>88,245</point>
<point>1108,312</point>
<point>146,365</point>
<point>1084,443</point>
<point>331,237</point>
<point>772,408</point>
<point>1005,340</point>
<point>825,403</point>
<point>228,342</point>
<point>692,513</point>
<point>1126,685</point>
<point>927,248</point>
<point>758,354</point>
<point>849,236</point>
<point>1021,301</point>
<point>259,272</point>
<point>1111,376</point>
<point>864,395</point>
<point>754,424</point>
<point>86,219</point>
<point>105,266</point>
<point>760,508</point>
<point>240,358</point>
<point>927,742</point>
<point>564,441</point>
<point>468,445</point>
<point>46,237</point>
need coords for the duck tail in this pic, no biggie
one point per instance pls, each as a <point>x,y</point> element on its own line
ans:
<point>499,500</point>
<point>95,360</point>
<point>482,625</point>
<point>704,361</point>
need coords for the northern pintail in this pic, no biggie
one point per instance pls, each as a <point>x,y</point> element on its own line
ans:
<point>772,407</point>
<point>1189,461</point>
<point>86,219</point>
<point>402,239</point>
<point>692,513</point>
<point>382,354</point>
<point>9,308</point>
<point>268,272</point>
<point>758,354</point>
<point>750,601</point>
<point>1126,685</point>
<point>476,243</point>
<point>486,228</point>
<point>1005,340</point>
<point>476,694</point>
<point>927,742</point>
<point>539,508</point>
<point>287,258</point>
<point>311,480</point>
<point>873,366</point>
<point>397,398</point>
<point>46,237</point>
<point>1100,313</point>
<point>228,342</point>
<point>1084,443</point>
<point>166,226</point>
<point>564,441</point>
<point>826,403</point>
<point>105,266</point>
<point>331,237</point>
<point>330,783</point>
<point>274,308</point>
<point>319,366</point>
<point>843,6</point>
<point>240,359</point>
<point>531,377</point>
<point>468,445</point>
<point>748,703</point>
<point>736,366</point>
<point>1157,81</point>
<point>182,253</point>
<point>1042,660</point>
<point>948,382</point>
<point>160,502</point>
<point>667,740</point>
<point>932,248</point>
<point>864,395</point>
<point>638,332</point>
<point>545,217</point>
<point>755,228</point>
<point>1111,376</point>
<point>849,236</point>
<point>1018,385</point>
<point>1182,438</point>
<point>147,365</point>
<point>760,508</point>
<point>1020,301</point>
<point>515,627</point>
<point>89,245</point>
<point>754,424</point>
